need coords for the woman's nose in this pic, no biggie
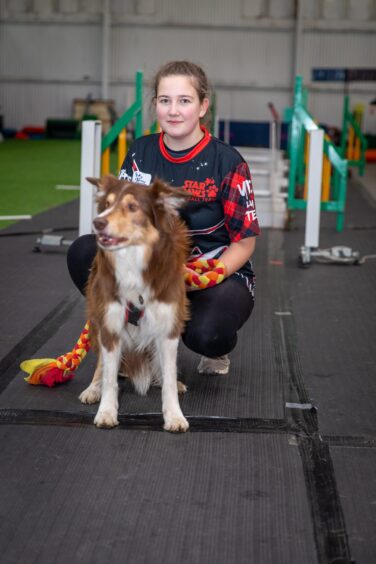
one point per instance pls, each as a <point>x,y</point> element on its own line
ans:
<point>173,108</point>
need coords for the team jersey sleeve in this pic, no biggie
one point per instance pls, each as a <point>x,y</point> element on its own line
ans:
<point>239,204</point>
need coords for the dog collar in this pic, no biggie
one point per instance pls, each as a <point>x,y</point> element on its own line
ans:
<point>132,313</point>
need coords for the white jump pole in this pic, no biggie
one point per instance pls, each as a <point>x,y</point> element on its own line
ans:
<point>90,166</point>
<point>315,158</point>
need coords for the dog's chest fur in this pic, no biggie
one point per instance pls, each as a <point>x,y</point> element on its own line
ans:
<point>126,267</point>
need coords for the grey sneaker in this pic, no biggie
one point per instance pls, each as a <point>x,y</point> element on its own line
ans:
<point>220,365</point>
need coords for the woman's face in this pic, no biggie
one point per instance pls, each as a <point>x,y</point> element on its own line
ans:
<point>179,110</point>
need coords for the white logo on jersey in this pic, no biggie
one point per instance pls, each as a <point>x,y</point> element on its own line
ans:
<point>123,175</point>
<point>141,177</point>
<point>246,188</point>
<point>247,192</point>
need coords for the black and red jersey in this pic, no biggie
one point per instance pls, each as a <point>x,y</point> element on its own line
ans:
<point>221,209</point>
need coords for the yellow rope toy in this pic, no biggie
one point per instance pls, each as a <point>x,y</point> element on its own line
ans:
<point>199,274</point>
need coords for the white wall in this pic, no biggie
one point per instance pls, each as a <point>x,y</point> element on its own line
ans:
<point>51,50</point>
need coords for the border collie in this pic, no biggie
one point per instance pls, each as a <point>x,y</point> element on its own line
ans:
<point>136,298</point>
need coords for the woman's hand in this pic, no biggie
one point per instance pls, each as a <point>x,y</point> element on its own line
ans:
<point>234,257</point>
<point>204,273</point>
<point>237,254</point>
<point>189,288</point>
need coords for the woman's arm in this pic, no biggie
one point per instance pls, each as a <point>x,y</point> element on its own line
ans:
<point>240,217</point>
<point>234,257</point>
<point>237,254</point>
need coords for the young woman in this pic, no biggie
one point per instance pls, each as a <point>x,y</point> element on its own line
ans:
<point>220,215</point>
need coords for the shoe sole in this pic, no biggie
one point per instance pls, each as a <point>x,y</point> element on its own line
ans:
<point>222,372</point>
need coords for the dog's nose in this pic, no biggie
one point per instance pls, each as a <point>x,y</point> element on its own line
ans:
<point>100,223</point>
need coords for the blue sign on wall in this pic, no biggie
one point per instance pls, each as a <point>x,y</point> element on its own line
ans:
<point>333,75</point>
<point>342,75</point>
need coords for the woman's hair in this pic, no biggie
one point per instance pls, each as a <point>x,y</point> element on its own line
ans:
<point>184,68</point>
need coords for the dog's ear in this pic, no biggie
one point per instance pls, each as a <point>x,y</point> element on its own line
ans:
<point>94,181</point>
<point>170,198</point>
<point>104,184</point>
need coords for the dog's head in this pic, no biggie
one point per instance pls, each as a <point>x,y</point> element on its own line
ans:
<point>133,214</point>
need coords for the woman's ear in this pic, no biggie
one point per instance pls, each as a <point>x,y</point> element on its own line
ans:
<point>204,107</point>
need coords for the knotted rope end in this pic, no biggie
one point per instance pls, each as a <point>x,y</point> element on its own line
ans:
<point>44,372</point>
<point>52,371</point>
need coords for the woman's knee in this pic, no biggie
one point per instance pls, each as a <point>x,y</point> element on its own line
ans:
<point>80,257</point>
<point>82,249</point>
<point>209,341</point>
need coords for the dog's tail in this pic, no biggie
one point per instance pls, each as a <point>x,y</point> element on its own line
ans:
<point>49,371</point>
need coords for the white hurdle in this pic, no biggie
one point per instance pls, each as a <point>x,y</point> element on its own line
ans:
<point>338,254</point>
<point>313,210</point>
<point>315,159</point>
<point>90,166</point>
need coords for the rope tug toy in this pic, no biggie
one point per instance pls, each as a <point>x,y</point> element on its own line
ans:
<point>204,273</point>
<point>49,372</point>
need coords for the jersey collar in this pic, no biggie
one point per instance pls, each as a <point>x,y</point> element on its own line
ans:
<point>195,151</point>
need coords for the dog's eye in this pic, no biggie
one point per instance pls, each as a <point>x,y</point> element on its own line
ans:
<point>107,204</point>
<point>132,207</point>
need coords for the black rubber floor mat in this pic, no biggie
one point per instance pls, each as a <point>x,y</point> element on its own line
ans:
<point>252,388</point>
<point>20,395</point>
<point>242,393</point>
<point>335,323</point>
<point>94,496</point>
<point>356,481</point>
<point>31,284</point>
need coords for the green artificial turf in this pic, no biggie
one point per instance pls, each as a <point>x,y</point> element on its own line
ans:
<point>30,171</point>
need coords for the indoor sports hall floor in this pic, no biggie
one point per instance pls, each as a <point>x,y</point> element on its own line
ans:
<point>279,463</point>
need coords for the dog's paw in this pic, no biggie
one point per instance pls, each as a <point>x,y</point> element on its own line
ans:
<point>176,424</point>
<point>182,388</point>
<point>92,394</point>
<point>106,419</point>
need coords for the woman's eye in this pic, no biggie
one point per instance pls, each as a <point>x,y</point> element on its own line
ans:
<point>163,100</point>
<point>185,100</point>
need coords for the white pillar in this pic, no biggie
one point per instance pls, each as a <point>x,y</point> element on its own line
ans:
<point>299,41</point>
<point>90,166</point>
<point>105,47</point>
<point>315,158</point>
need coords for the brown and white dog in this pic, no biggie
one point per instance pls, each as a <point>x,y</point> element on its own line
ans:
<point>136,298</point>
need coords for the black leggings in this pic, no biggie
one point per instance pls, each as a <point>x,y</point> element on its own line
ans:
<point>217,313</point>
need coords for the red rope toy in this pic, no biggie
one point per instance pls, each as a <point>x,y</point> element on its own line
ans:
<point>199,274</point>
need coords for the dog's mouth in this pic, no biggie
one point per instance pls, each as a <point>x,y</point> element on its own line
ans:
<point>107,241</point>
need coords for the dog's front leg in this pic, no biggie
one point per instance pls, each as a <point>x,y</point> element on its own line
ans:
<point>92,394</point>
<point>174,419</point>
<point>107,415</point>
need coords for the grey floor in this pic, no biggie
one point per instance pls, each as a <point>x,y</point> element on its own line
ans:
<point>279,463</point>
